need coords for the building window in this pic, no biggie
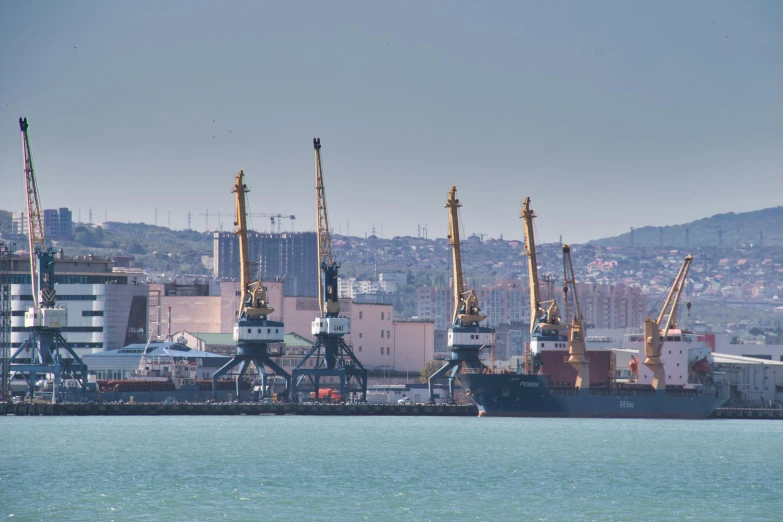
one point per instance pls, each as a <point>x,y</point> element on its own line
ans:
<point>92,313</point>
<point>381,334</point>
<point>360,348</point>
<point>360,314</point>
<point>249,330</point>
<point>388,335</point>
<point>381,316</point>
<point>388,350</point>
<point>381,350</point>
<point>360,335</point>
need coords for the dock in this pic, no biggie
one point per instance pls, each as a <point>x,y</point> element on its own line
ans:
<point>747,413</point>
<point>249,408</point>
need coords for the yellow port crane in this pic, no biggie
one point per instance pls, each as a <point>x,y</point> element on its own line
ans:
<point>544,315</point>
<point>545,324</point>
<point>466,337</point>
<point>655,336</point>
<point>253,331</point>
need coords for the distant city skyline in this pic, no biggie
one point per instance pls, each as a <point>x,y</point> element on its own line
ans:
<point>609,115</point>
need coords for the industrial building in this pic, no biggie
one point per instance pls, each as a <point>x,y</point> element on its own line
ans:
<point>290,257</point>
<point>374,332</point>
<point>106,310</point>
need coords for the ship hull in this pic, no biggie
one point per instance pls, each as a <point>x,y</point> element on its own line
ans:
<point>516,395</point>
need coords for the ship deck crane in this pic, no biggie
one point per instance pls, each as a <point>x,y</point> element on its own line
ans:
<point>655,334</point>
<point>466,337</point>
<point>333,357</point>
<point>45,352</point>
<point>577,348</point>
<point>254,331</point>
<point>545,324</point>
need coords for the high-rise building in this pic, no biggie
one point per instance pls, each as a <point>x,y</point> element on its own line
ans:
<point>291,256</point>
<point>612,306</point>
<point>58,224</point>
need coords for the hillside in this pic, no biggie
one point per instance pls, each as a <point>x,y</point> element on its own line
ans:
<point>159,249</point>
<point>745,228</point>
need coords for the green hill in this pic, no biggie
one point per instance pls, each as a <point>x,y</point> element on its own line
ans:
<point>731,229</point>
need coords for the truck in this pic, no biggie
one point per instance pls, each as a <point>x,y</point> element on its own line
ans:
<point>326,395</point>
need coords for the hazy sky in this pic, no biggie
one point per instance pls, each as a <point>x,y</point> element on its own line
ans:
<point>608,114</point>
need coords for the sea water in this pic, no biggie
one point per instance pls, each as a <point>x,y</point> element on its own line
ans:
<point>388,468</point>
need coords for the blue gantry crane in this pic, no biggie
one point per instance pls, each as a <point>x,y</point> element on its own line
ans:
<point>333,357</point>
<point>45,351</point>
<point>254,331</point>
<point>466,337</point>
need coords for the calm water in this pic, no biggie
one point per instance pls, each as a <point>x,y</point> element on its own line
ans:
<point>385,468</point>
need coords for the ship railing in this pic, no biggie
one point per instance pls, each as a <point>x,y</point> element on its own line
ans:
<point>563,390</point>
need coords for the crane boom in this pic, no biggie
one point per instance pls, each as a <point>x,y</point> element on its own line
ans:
<point>672,300</point>
<point>35,228</point>
<point>453,205</point>
<point>327,267</point>
<point>577,347</point>
<point>569,279</point>
<point>466,308</point>
<point>530,249</point>
<point>253,302</point>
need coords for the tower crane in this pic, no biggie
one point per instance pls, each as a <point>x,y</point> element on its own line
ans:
<point>45,352</point>
<point>253,331</point>
<point>277,219</point>
<point>466,337</point>
<point>577,349</point>
<point>655,332</point>
<point>545,323</point>
<point>333,357</point>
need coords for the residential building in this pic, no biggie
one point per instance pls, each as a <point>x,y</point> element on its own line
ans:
<point>291,257</point>
<point>57,223</point>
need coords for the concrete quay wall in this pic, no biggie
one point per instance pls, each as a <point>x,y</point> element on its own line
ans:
<point>87,408</point>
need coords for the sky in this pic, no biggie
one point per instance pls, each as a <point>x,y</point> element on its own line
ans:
<point>608,114</point>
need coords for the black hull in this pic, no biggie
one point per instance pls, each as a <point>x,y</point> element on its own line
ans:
<point>515,395</point>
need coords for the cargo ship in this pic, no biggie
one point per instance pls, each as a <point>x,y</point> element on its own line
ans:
<point>559,377</point>
<point>513,393</point>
